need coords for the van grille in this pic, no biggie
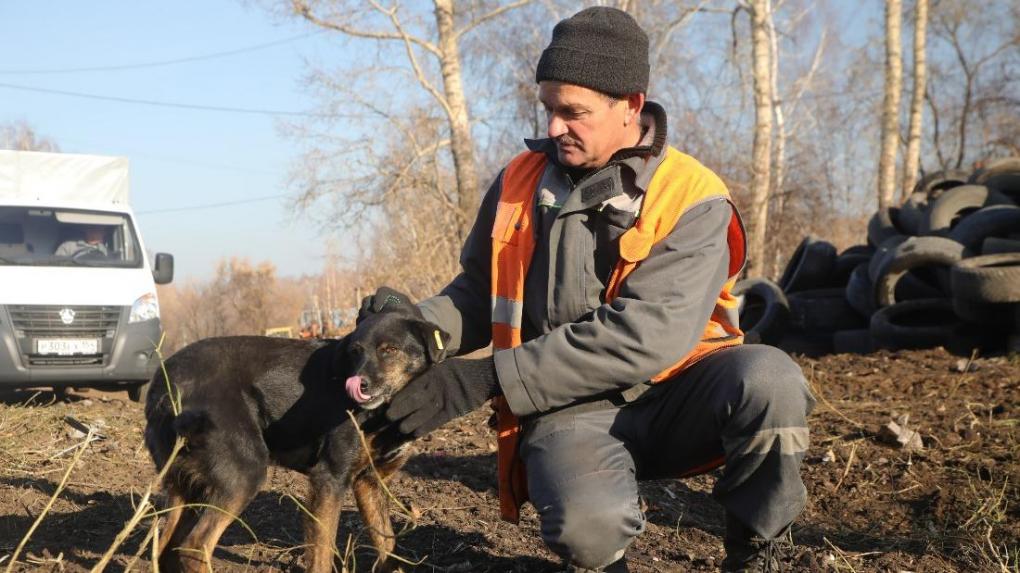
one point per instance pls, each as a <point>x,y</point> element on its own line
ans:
<point>34,322</point>
<point>44,321</point>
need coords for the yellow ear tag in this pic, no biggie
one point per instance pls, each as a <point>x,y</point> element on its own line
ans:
<point>439,340</point>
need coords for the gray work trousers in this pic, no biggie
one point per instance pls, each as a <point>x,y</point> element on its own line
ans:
<point>744,404</point>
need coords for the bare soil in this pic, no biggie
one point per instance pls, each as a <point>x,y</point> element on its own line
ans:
<point>953,506</point>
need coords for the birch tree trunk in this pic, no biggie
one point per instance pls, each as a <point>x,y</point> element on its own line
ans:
<point>761,153</point>
<point>461,143</point>
<point>777,197</point>
<point>912,158</point>
<point>777,107</point>
<point>890,104</point>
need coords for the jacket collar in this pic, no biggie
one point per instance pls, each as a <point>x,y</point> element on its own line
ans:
<point>641,159</point>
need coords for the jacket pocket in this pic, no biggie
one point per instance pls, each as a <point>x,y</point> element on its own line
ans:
<point>507,223</point>
<point>609,225</point>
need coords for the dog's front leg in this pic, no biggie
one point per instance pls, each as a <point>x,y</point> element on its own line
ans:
<point>374,505</point>
<point>325,502</point>
<point>374,508</point>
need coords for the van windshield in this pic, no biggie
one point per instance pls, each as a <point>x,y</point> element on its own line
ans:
<point>67,237</point>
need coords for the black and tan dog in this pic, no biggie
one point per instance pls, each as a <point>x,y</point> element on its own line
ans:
<point>249,402</point>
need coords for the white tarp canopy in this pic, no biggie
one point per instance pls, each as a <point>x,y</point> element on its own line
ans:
<point>63,177</point>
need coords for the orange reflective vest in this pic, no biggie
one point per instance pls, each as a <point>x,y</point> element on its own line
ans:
<point>678,184</point>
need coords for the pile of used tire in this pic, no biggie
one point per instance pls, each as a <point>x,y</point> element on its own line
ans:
<point>943,269</point>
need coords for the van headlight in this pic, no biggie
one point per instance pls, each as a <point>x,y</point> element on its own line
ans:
<point>145,308</point>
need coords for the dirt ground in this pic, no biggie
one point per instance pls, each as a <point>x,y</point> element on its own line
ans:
<point>953,506</point>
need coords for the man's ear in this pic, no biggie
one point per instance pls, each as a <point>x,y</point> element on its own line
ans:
<point>434,339</point>
<point>635,103</point>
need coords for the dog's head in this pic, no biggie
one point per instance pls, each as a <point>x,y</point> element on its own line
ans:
<point>385,352</point>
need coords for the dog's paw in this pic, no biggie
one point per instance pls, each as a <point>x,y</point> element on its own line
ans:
<point>385,453</point>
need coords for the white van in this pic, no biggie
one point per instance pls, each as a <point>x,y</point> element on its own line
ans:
<point>78,303</point>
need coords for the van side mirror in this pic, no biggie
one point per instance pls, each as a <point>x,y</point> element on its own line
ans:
<point>163,270</point>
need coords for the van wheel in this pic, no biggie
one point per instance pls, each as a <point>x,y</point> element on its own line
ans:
<point>134,392</point>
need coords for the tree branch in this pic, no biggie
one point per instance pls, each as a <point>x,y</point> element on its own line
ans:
<point>943,164</point>
<point>673,26</point>
<point>302,9</point>
<point>804,83</point>
<point>408,46</point>
<point>489,16</point>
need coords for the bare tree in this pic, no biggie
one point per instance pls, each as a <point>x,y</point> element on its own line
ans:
<point>241,298</point>
<point>890,104</point>
<point>912,157</point>
<point>192,311</point>
<point>423,256</point>
<point>249,293</point>
<point>349,18</point>
<point>779,161</point>
<point>913,152</point>
<point>761,154</point>
<point>784,132</point>
<point>972,88</point>
<point>19,136</point>
<point>779,103</point>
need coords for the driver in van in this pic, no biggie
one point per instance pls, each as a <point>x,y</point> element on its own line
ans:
<point>93,241</point>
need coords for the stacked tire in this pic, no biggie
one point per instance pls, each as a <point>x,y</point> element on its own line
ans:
<point>808,306</point>
<point>942,269</point>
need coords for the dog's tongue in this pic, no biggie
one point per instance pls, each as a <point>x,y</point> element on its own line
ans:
<point>353,385</point>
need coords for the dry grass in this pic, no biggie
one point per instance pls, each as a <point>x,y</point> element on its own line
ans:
<point>961,507</point>
<point>42,515</point>
<point>40,419</point>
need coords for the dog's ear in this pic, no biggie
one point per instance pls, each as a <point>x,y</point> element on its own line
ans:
<point>434,339</point>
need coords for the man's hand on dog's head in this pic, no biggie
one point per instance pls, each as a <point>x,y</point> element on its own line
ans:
<point>444,392</point>
<point>386,299</point>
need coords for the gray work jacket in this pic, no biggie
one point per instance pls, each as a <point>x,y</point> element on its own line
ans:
<point>578,347</point>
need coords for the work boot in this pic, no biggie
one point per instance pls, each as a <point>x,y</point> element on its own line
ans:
<point>747,552</point>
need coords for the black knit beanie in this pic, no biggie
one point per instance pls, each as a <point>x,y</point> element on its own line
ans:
<point>599,48</point>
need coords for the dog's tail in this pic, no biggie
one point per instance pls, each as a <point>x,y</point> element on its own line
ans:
<point>192,425</point>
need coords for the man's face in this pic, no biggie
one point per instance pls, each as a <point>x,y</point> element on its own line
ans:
<point>94,235</point>
<point>587,126</point>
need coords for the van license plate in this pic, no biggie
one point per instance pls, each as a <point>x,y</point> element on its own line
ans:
<point>67,346</point>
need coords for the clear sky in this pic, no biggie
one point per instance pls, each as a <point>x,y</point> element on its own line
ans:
<point>179,157</point>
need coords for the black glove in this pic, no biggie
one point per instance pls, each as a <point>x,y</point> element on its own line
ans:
<point>388,300</point>
<point>446,391</point>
